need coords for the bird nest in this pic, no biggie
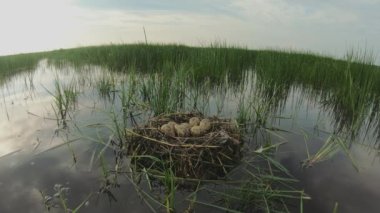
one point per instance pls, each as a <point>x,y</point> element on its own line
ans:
<point>209,153</point>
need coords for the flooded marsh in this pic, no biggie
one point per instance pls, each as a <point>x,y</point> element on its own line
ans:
<point>307,128</point>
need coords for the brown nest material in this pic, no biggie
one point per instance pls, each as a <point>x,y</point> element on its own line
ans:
<point>210,155</point>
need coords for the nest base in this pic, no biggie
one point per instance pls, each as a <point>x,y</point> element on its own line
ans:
<point>210,156</point>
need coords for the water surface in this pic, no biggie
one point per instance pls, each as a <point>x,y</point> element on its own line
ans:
<point>35,157</point>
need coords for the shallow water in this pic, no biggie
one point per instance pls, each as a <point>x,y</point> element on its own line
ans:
<point>33,160</point>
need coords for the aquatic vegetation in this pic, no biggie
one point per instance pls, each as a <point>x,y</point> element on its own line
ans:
<point>244,112</point>
<point>13,64</point>
<point>60,199</point>
<point>353,101</point>
<point>65,98</point>
<point>232,165</point>
<point>331,146</point>
<point>106,85</point>
<point>351,98</point>
<point>166,92</point>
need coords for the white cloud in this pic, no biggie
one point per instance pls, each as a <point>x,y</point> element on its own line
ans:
<point>36,25</point>
<point>328,27</point>
<point>310,25</point>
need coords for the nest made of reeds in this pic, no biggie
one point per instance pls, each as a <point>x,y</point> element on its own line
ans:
<point>209,155</point>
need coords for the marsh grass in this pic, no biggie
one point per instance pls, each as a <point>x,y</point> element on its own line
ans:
<point>13,64</point>
<point>349,87</point>
<point>331,146</point>
<point>65,99</point>
<point>352,103</point>
<point>166,92</point>
<point>175,78</point>
<point>244,113</point>
<point>220,94</point>
<point>153,57</point>
<point>106,85</point>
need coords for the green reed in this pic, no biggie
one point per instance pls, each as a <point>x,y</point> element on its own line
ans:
<point>65,99</point>
<point>14,64</point>
<point>350,86</point>
<point>106,85</point>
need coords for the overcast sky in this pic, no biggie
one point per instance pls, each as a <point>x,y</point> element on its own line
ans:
<point>329,27</point>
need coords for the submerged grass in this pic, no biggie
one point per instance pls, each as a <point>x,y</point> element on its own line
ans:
<point>60,200</point>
